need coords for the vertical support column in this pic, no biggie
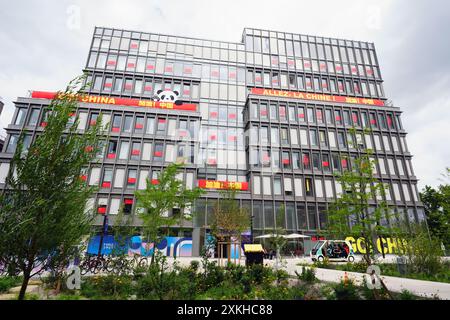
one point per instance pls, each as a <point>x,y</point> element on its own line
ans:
<point>197,242</point>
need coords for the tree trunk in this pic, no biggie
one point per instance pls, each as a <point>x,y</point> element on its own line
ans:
<point>26,278</point>
<point>153,255</point>
<point>229,250</point>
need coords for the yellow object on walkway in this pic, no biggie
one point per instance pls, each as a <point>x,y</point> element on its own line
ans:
<point>253,248</point>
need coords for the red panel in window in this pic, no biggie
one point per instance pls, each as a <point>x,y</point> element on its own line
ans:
<point>215,73</point>
<point>93,122</point>
<point>187,70</point>
<point>353,69</point>
<point>83,177</point>
<point>344,163</point>
<point>319,115</point>
<point>306,64</point>
<point>130,65</point>
<point>232,116</point>
<point>106,184</point>
<point>324,84</point>
<point>290,62</point>
<point>88,149</point>
<point>308,84</point>
<point>266,158</point>
<point>258,79</point>
<point>115,129</point>
<point>101,210</point>
<point>389,121</point>
<point>355,118</point>
<point>338,118</point>
<point>282,112</point>
<point>131,180</point>
<point>155,181</point>
<point>212,161</point>
<point>369,71</point>
<point>341,87</point>
<point>186,92</point>
<point>161,120</point>
<point>182,133</point>
<point>169,69</point>
<point>285,161</point>
<point>232,138</point>
<point>128,201</point>
<point>306,160</point>
<point>323,66</point>
<point>111,63</point>
<point>111,156</point>
<point>43,124</point>
<point>275,81</point>
<point>135,152</point>
<point>325,163</point>
<point>133,45</point>
<point>128,86</point>
<point>338,68</point>
<point>213,114</point>
<point>158,153</point>
<point>274,60</point>
<point>148,88</point>
<point>139,126</point>
<point>301,115</point>
<point>212,137</point>
<point>108,85</point>
<point>150,67</point>
<point>264,112</point>
<point>232,75</point>
<point>373,121</point>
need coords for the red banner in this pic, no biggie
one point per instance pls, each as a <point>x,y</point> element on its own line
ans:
<point>316,97</point>
<point>211,184</point>
<point>120,101</point>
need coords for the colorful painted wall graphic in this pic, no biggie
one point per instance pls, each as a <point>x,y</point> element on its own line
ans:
<point>169,246</point>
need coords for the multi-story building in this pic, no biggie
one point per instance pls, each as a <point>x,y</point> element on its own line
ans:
<point>2,138</point>
<point>269,115</point>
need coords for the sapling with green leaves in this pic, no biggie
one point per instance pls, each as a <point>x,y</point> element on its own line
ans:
<point>42,214</point>
<point>158,200</point>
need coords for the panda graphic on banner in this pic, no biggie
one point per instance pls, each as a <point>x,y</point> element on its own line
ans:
<point>167,96</point>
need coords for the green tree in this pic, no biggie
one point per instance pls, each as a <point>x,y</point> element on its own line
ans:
<point>437,210</point>
<point>278,239</point>
<point>159,199</point>
<point>354,213</point>
<point>229,220</point>
<point>42,217</point>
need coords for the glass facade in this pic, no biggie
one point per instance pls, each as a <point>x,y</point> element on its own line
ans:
<point>286,148</point>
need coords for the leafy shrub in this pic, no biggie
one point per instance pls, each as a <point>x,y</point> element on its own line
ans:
<point>68,297</point>
<point>110,286</point>
<point>423,253</point>
<point>373,294</point>
<point>322,264</point>
<point>407,295</point>
<point>307,275</point>
<point>346,291</point>
<point>7,282</point>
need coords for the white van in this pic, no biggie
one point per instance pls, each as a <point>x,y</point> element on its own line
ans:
<point>334,250</point>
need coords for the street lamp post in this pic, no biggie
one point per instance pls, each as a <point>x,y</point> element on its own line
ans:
<point>251,228</point>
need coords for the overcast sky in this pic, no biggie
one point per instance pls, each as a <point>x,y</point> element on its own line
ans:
<point>44,44</point>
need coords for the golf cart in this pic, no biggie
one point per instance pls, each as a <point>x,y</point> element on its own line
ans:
<point>334,250</point>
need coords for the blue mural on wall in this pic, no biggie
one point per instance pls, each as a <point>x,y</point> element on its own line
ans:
<point>169,246</point>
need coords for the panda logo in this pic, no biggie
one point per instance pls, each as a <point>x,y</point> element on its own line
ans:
<point>168,96</point>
